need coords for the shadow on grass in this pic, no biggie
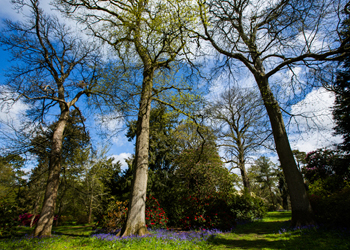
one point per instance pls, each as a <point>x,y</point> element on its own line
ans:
<point>256,235</point>
<point>72,235</point>
<point>261,227</point>
<point>73,231</point>
<point>247,244</point>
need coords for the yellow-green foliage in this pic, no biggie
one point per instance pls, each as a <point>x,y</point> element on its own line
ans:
<point>116,216</point>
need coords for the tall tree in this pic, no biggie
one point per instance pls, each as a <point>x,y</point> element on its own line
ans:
<point>239,116</point>
<point>267,38</point>
<point>75,139</point>
<point>55,69</point>
<point>154,32</point>
<point>162,145</point>
<point>341,111</point>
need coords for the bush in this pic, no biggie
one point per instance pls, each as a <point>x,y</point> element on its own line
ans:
<point>155,215</point>
<point>331,209</point>
<point>117,212</point>
<point>9,216</point>
<point>247,207</point>
<point>219,211</point>
<point>327,173</point>
<point>204,212</point>
<point>26,218</point>
<point>115,216</point>
<point>327,165</point>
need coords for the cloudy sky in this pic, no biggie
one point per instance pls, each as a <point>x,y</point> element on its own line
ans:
<point>305,134</point>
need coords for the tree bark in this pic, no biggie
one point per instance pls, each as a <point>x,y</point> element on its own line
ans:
<point>246,183</point>
<point>302,213</point>
<point>245,179</point>
<point>44,225</point>
<point>136,223</point>
<point>90,203</point>
<point>35,208</point>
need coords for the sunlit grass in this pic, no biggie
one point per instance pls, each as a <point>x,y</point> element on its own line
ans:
<point>70,242</point>
<point>272,232</point>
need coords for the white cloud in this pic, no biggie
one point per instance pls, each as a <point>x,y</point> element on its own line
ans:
<point>10,11</point>
<point>121,157</point>
<point>112,124</point>
<point>12,114</point>
<point>313,127</point>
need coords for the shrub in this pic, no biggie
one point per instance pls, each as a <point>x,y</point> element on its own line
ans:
<point>26,218</point>
<point>247,207</point>
<point>204,212</point>
<point>331,165</point>
<point>219,211</point>
<point>327,173</point>
<point>155,215</point>
<point>331,209</point>
<point>9,216</point>
<point>116,213</point>
<point>115,216</point>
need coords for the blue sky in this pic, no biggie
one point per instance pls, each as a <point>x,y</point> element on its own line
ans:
<point>119,147</point>
<point>310,137</point>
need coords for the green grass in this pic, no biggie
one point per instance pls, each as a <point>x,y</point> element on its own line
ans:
<point>76,242</point>
<point>264,234</point>
<point>268,234</point>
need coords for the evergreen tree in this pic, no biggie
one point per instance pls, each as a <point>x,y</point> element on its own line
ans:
<point>264,176</point>
<point>341,111</point>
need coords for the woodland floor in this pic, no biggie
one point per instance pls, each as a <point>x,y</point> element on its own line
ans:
<point>272,232</point>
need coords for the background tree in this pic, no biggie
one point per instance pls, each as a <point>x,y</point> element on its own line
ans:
<point>201,172</point>
<point>341,111</point>
<point>283,189</point>
<point>239,117</point>
<point>327,173</point>
<point>154,32</point>
<point>268,38</point>
<point>92,191</point>
<point>55,69</point>
<point>299,158</point>
<point>11,176</point>
<point>264,175</point>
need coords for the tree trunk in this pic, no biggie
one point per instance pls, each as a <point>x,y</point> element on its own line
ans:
<point>271,192</point>
<point>44,225</point>
<point>302,213</point>
<point>58,214</point>
<point>90,203</point>
<point>136,223</point>
<point>245,179</point>
<point>35,208</point>
<point>285,201</point>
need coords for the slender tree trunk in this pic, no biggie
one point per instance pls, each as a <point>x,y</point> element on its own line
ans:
<point>61,204</point>
<point>302,213</point>
<point>285,201</point>
<point>136,223</point>
<point>35,208</point>
<point>90,203</point>
<point>58,213</point>
<point>245,179</point>
<point>44,225</point>
<point>271,192</point>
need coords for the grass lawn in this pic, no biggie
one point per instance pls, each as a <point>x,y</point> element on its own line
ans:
<point>273,233</point>
<point>270,233</point>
